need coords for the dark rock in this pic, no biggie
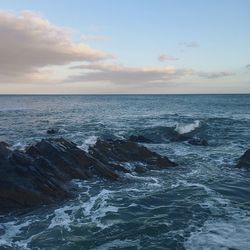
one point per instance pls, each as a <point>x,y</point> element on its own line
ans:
<point>120,151</point>
<point>2,230</point>
<point>187,137</point>
<point>4,143</point>
<point>39,175</point>
<point>198,142</point>
<point>244,161</point>
<point>52,131</point>
<point>180,137</point>
<point>140,138</point>
<point>140,169</point>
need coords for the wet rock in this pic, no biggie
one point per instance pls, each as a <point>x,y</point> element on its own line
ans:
<point>191,140</point>
<point>198,142</point>
<point>2,230</point>
<point>244,161</point>
<point>180,137</point>
<point>39,175</point>
<point>121,151</point>
<point>140,169</point>
<point>52,131</point>
<point>140,138</point>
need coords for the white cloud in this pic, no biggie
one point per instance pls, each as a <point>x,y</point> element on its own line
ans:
<point>29,43</point>
<point>165,57</point>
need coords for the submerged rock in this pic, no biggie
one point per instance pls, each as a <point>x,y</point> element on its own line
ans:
<point>52,131</point>
<point>180,137</point>
<point>244,161</point>
<point>198,142</point>
<point>188,138</point>
<point>39,174</point>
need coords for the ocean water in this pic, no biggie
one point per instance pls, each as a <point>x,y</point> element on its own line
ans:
<point>204,203</point>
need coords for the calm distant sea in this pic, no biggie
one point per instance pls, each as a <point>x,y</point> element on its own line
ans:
<point>204,203</point>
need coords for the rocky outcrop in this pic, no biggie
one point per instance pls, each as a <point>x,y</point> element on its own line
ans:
<point>39,175</point>
<point>244,161</point>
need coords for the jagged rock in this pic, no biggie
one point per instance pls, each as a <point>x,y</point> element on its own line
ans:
<point>23,183</point>
<point>140,138</point>
<point>39,174</point>
<point>126,151</point>
<point>198,142</point>
<point>244,161</point>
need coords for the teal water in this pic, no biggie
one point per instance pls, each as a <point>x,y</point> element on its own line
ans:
<point>204,203</point>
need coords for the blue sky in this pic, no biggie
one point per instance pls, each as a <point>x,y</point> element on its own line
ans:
<point>209,38</point>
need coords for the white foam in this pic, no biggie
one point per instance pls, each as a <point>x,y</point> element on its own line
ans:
<point>230,231</point>
<point>190,184</point>
<point>97,207</point>
<point>232,234</point>
<point>63,130</point>
<point>90,141</point>
<point>148,181</point>
<point>120,244</point>
<point>19,146</point>
<point>184,129</point>
<point>12,229</point>
<point>61,218</point>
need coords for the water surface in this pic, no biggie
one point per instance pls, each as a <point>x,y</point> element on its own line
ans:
<point>204,203</point>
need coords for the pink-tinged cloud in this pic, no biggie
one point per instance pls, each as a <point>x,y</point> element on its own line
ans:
<point>120,74</point>
<point>29,42</point>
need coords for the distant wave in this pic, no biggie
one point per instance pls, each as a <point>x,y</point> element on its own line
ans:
<point>14,109</point>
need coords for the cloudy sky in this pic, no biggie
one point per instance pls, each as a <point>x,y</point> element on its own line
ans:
<point>132,46</point>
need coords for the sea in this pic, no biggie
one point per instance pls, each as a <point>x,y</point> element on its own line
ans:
<point>203,203</point>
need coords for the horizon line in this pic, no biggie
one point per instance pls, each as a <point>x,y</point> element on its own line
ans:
<point>100,94</point>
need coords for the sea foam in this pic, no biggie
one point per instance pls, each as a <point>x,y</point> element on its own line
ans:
<point>90,141</point>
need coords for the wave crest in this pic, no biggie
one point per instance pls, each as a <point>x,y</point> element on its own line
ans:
<point>185,129</point>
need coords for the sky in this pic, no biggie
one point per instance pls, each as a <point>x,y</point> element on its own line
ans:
<point>124,47</point>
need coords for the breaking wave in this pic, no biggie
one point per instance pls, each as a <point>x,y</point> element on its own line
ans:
<point>184,129</point>
<point>90,141</point>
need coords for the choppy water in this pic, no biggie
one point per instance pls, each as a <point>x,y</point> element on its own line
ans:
<point>204,203</point>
